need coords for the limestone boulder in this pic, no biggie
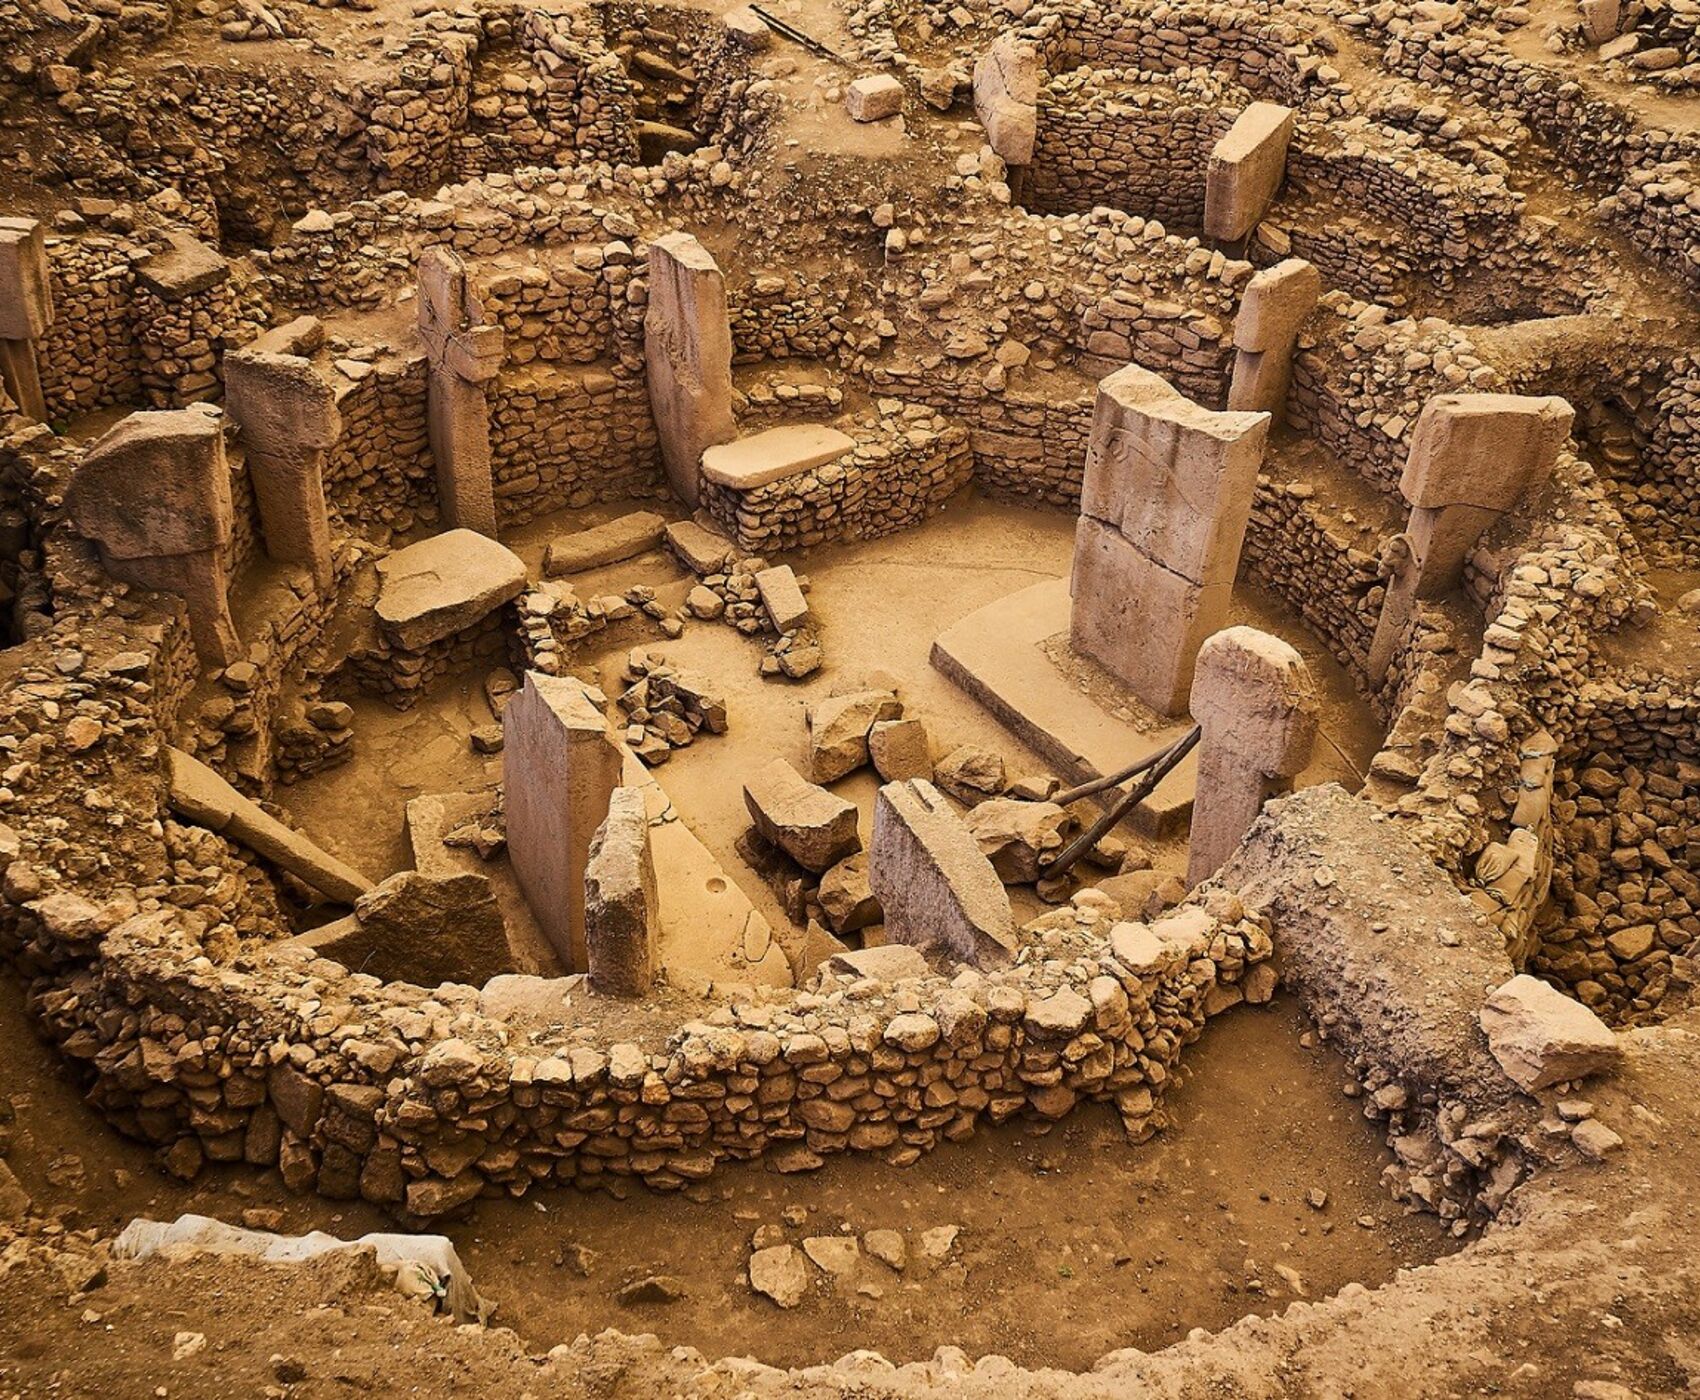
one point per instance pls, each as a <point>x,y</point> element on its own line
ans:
<point>425,929</point>
<point>780,1273</point>
<point>816,828</point>
<point>838,731</point>
<point>846,898</point>
<point>971,773</point>
<point>1542,1037</point>
<point>1017,837</point>
<point>900,749</point>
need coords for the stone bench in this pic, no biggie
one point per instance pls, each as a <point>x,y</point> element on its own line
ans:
<point>773,455</point>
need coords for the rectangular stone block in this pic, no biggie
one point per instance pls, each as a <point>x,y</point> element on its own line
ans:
<point>1246,169</point>
<point>607,543</point>
<point>621,917</point>
<point>26,291</point>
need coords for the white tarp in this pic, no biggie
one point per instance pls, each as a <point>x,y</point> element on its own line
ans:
<point>425,1265</point>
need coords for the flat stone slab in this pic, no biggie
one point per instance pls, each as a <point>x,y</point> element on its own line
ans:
<point>433,589</point>
<point>773,455</point>
<point>186,267</point>
<point>608,543</point>
<point>998,655</point>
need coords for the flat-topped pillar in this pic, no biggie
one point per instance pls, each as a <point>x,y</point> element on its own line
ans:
<point>1246,169</point>
<point>1472,459</point>
<point>1164,503</point>
<point>154,496</point>
<point>687,347</point>
<point>1254,699</point>
<point>560,766</point>
<point>26,311</point>
<point>286,413</point>
<point>464,353</point>
<point>1273,309</point>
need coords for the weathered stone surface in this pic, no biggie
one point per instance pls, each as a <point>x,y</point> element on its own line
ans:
<point>838,731</point>
<point>1246,169</point>
<point>431,590</point>
<point>421,928</point>
<point>199,795</point>
<point>890,962</point>
<point>783,598</point>
<point>900,749</point>
<point>699,549</point>
<point>621,913</point>
<point>846,898</point>
<point>816,828</point>
<point>1541,1037</point>
<point>971,773</point>
<point>687,343</point>
<point>873,98</point>
<point>780,1273</point>
<point>774,454</point>
<point>935,887</point>
<point>1018,836</point>
<point>607,543</point>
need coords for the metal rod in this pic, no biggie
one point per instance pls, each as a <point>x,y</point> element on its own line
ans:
<point>797,36</point>
<point>1161,766</point>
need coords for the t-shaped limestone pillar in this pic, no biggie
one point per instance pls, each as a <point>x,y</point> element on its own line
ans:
<point>465,354</point>
<point>1164,504</point>
<point>26,311</point>
<point>1472,459</point>
<point>1273,309</point>
<point>560,766</point>
<point>1246,169</point>
<point>1254,699</point>
<point>287,414</point>
<point>1006,97</point>
<point>687,347</point>
<point>154,495</point>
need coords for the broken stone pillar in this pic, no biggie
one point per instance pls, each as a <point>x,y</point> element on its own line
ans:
<point>26,311</point>
<point>154,495</point>
<point>1246,169</point>
<point>1472,459</point>
<point>927,872</point>
<point>560,767</point>
<point>620,909</point>
<point>1276,303</point>
<point>1006,97</point>
<point>1164,504</point>
<point>687,346</point>
<point>286,411</point>
<point>1254,699</point>
<point>464,353</point>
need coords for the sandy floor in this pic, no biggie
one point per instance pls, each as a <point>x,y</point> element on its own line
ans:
<point>881,604</point>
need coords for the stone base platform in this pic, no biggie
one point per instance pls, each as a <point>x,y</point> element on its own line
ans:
<point>1013,657</point>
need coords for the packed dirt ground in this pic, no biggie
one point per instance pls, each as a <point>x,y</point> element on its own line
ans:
<point>849,698</point>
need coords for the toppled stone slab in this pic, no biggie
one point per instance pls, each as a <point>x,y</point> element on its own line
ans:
<point>838,731</point>
<point>890,962</point>
<point>197,794</point>
<point>816,828</point>
<point>699,549</point>
<point>1542,1037</point>
<point>936,888</point>
<point>773,455</point>
<point>783,598</point>
<point>608,543</point>
<point>431,590</point>
<point>422,929</point>
<point>184,268</point>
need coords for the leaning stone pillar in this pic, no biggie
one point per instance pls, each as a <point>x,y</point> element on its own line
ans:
<point>1006,98</point>
<point>687,348</point>
<point>1472,459</point>
<point>1246,169</point>
<point>154,495</point>
<point>26,311</point>
<point>560,767</point>
<point>938,890</point>
<point>1164,504</point>
<point>620,910</point>
<point>287,415</point>
<point>464,354</point>
<point>1276,303</point>
<point>1254,699</point>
